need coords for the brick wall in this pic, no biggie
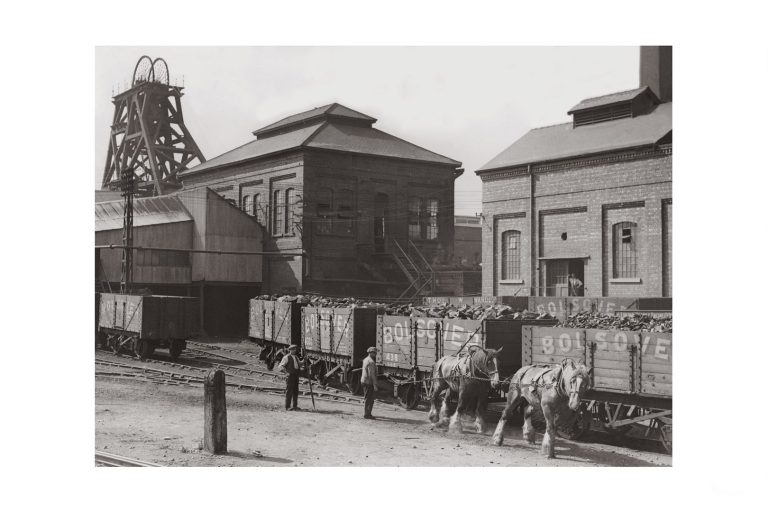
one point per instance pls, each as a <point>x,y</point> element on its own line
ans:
<point>581,201</point>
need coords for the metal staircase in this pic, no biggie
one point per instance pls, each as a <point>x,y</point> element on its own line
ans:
<point>415,267</point>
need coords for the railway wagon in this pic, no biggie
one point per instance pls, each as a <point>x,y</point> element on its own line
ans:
<point>409,346</point>
<point>335,341</point>
<point>274,325</point>
<point>563,307</point>
<point>631,382</point>
<point>142,323</point>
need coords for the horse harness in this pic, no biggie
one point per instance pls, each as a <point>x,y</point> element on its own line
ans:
<point>465,367</point>
<point>556,380</point>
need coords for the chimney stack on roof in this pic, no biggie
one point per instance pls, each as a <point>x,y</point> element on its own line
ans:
<point>656,70</point>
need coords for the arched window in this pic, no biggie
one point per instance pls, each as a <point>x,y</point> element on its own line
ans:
<point>257,211</point>
<point>290,200</point>
<point>414,215</point>
<point>277,213</point>
<point>345,212</point>
<point>430,219</point>
<point>246,204</point>
<point>510,255</point>
<point>625,249</point>
<point>324,209</point>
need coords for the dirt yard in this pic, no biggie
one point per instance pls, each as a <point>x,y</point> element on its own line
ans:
<point>163,424</point>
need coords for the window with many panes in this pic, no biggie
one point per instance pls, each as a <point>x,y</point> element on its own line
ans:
<point>510,255</point>
<point>345,212</point>
<point>624,249</point>
<point>324,208</point>
<point>290,204</point>
<point>414,218</point>
<point>430,219</point>
<point>277,213</point>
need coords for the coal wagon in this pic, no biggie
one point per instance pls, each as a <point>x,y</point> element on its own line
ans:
<point>335,341</point>
<point>409,346</point>
<point>632,377</point>
<point>142,323</point>
<point>274,325</point>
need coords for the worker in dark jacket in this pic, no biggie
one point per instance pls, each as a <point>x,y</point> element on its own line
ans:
<point>292,366</point>
<point>369,382</point>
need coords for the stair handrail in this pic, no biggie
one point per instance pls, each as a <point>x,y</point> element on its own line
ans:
<point>421,256</point>
<point>419,273</point>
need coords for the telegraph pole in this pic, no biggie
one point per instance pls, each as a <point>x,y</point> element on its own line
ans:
<point>126,263</point>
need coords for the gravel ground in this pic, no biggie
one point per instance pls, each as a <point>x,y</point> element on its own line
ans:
<point>164,424</point>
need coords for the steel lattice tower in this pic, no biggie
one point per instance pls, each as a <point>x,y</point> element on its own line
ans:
<point>148,135</point>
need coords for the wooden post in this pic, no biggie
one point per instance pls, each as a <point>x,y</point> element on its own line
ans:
<point>215,435</point>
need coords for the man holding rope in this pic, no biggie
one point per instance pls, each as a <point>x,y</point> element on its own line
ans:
<point>369,382</point>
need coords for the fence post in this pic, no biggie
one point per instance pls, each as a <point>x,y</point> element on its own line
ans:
<point>215,435</point>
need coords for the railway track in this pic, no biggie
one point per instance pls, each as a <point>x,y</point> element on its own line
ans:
<point>104,459</point>
<point>135,370</point>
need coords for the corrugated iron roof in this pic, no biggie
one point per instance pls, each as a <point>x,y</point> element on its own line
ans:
<point>334,109</point>
<point>609,99</point>
<point>107,195</point>
<point>147,211</point>
<point>565,141</point>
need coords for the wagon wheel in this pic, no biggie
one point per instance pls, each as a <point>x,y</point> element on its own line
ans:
<point>318,372</point>
<point>408,395</point>
<point>174,349</point>
<point>575,426</point>
<point>353,381</point>
<point>603,415</point>
<point>141,348</point>
<point>273,358</point>
<point>114,343</point>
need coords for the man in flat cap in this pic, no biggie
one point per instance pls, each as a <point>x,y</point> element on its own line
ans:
<point>369,382</point>
<point>291,365</point>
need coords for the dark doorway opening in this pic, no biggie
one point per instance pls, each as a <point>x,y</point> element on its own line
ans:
<point>564,277</point>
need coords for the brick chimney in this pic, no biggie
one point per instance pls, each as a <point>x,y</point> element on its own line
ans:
<point>656,70</point>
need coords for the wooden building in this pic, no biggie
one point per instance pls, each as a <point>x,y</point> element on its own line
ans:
<point>372,212</point>
<point>591,198</point>
<point>194,219</point>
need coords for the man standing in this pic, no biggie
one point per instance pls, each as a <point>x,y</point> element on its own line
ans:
<point>290,365</point>
<point>575,285</point>
<point>369,382</point>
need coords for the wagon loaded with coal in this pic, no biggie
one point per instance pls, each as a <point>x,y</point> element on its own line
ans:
<point>141,323</point>
<point>631,392</point>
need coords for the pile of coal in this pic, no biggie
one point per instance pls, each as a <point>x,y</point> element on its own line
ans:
<point>463,312</point>
<point>320,301</point>
<point>631,322</point>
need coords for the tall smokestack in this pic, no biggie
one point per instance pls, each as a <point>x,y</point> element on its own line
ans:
<point>656,70</point>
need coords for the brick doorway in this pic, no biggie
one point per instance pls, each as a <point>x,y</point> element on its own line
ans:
<point>557,277</point>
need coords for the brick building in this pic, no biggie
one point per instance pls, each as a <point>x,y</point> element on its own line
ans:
<point>371,211</point>
<point>591,197</point>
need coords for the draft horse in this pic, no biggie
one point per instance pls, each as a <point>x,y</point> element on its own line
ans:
<point>470,377</point>
<point>549,387</point>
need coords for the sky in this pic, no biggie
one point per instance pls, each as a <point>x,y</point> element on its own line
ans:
<point>467,103</point>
